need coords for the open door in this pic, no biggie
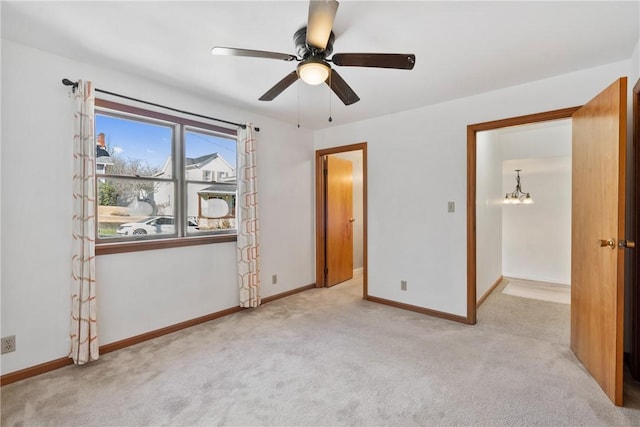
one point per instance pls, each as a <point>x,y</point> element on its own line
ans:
<point>339,220</point>
<point>597,231</point>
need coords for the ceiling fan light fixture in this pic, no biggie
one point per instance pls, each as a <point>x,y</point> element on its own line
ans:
<point>313,71</point>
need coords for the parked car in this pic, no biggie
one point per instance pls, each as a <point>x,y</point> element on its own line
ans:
<point>152,225</point>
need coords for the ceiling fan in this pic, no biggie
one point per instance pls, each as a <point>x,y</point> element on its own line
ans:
<point>314,43</point>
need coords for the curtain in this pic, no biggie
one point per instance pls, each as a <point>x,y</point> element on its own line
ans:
<point>247,207</point>
<point>83,334</point>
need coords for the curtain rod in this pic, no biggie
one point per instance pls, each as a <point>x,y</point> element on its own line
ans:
<point>74,86</point>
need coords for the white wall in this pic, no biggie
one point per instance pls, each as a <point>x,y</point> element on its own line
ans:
<point>356,158</point>
<point>140,291</point>
<point>537,238</point>
<point>417,162</point>
<point>489,196</point>
<point>537,140</point>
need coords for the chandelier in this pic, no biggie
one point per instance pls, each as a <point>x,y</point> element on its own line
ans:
<point>518,196</point>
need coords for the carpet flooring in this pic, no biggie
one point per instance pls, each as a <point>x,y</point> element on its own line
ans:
<point>327,357</point>
<point>543,291</point>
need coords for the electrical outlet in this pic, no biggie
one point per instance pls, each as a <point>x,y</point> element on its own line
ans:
<point>403,285</point>
<point>274,279</point>
<point>8,344</point>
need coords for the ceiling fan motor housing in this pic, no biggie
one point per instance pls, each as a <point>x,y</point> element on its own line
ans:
<point>304,51</point>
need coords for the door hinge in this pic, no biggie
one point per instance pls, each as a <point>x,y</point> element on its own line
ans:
<point>325,171</point>
<point>326,271</point>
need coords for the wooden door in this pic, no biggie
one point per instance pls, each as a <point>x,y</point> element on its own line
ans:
<point>598,216</point>
<point>339,220</point>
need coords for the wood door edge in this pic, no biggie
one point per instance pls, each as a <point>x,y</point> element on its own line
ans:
<point>622,185</point>
<point>320,242</point>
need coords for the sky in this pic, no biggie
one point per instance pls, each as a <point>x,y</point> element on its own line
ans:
<point>151,143</point>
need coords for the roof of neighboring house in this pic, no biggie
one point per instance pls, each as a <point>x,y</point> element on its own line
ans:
<point>102,156</point>
<point>196,162</point>
<point>219,188</point>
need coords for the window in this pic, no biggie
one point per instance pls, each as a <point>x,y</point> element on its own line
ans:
<point>162,177</point>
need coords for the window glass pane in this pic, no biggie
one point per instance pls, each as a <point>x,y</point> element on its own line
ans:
<point>212,207</point>
<point>209,157</point>
<point>212,159</point>
<point>132,148</point>
<point>135,207</point>
<point>141,185</point>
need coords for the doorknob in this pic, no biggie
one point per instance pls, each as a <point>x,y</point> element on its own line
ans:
<point>626,244</point>
<point>352,219</point>
<point>611,243</point>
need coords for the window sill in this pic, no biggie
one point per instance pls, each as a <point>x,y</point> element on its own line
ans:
<point>148,245</point>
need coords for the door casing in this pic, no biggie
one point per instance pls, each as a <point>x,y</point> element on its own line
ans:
<point>320,208</point>
<point>634,356</point>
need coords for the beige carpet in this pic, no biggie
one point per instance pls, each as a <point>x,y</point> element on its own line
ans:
<point>325,357</point>
<point>543,291</point>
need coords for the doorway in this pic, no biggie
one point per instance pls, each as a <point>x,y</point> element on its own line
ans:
<point>597,221</point>
<point>472,133</point>
<point>357,221</point>
<point>526,240</point>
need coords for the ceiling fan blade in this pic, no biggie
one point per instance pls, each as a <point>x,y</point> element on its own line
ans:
<point>322,13</point>
<point>280,86</point>
<point>231,51</point>
<point>342,89</point>
<point>402,61</point>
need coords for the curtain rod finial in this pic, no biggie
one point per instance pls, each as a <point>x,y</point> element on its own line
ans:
<point>74,85</point>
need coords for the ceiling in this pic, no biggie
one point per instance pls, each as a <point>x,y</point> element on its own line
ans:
<point>461,48</point>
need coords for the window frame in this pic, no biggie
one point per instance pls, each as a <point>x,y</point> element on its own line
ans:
<point>180,237</point>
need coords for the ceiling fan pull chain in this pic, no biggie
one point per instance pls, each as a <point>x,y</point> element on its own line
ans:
<point>298,87</point>
<point>330,74</point>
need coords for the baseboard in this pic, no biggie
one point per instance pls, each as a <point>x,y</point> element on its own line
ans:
<point>42,368</point>
<point>491,289</point>
<point>108,348</point>
<point>32,371</point>
<point>267,300</point>
<point>534,279</point>
<point>422,310</point>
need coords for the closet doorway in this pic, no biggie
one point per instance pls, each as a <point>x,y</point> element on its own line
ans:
<point>341,215</point>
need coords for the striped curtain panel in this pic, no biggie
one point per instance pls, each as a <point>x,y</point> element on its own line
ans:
<point>247,208</point>
<point>83,335</point>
